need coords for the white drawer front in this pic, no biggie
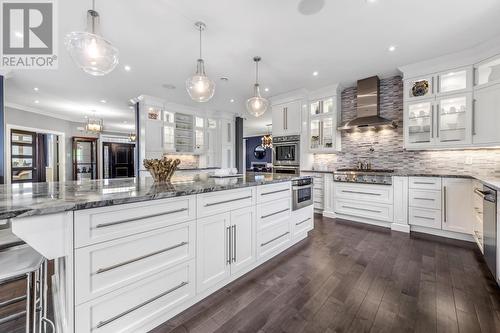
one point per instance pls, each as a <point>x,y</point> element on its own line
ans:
<point>425,183</point>
<point>271,241</point>
<point>302,221</point>
<point>318,193</point>
<point>425,199</point>
<point>130,308</point>
<point>425,217</point>
<point>104,267</point>
<point>97,225</point>
<point>382,212</point>
<point>273,213</point>
<point>224,201</point>
<point>364,192</point>
<point>272,192</point>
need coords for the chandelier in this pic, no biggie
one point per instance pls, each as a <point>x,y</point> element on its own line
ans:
<point>94,125</point>
<point>267,140</point>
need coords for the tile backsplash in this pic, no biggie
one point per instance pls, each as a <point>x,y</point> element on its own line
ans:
<point>187,161</point>
<point>384,147</point>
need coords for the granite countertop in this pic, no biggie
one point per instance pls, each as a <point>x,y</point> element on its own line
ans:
<point>28,199</point>
<point>318,171</point>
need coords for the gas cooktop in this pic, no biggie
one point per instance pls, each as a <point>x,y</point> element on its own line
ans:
<point>369,176</point>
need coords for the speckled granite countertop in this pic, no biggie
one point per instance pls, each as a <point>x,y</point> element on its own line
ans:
<point>47,198</point>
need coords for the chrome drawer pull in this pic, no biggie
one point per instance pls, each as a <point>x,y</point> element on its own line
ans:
<point>102,270</point>
<point>275,213</point>
<point>104,225</point>
<point>356,192</point>
<point>227,201</point>
<point>424,183</point>
<point>273,192</point>
<point>275,238</point>
<point>365,209</point>
<point>110,320</point>
<point>424,217</point>
<point>299,223</point>
<point>426,199</point>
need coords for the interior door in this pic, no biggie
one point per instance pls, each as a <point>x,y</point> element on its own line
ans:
<point>23,156</point>
<point>243,237</point>
<point>212,250</point>
<point>118,159</point>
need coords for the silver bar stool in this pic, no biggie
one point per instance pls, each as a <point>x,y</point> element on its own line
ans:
<point>19,261</point>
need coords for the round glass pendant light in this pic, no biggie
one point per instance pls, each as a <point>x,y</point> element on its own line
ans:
<point>89,50</point>
<point>199,87</point>
<point>257,105</point>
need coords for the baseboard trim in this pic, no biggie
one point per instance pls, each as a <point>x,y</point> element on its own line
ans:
<point>442,233</point>
<point>400,227</point>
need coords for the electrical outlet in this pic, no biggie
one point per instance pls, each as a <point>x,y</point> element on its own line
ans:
<point>468,160</point>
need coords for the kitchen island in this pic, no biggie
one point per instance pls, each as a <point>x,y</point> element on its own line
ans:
<point>130,254</point>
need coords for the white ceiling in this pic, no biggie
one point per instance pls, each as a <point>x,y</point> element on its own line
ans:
<point>345,41</point>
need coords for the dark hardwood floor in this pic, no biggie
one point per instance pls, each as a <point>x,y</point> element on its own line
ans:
<point>350,277</point>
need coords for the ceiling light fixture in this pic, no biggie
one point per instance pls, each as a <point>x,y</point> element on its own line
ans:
<point>231,100</point>
<point>315,73</point>
<point>267,140</point>
<point>94,125</point>
<point>89,50</point>
<point>127,68</point>
<point>103,101</point>
<point>371,1</point>
<point>37,101</point>
<point>266,89</point>
<point>257,105</point>
<point>199,87</point>
<point>392,48</point>
<point>36,89</point>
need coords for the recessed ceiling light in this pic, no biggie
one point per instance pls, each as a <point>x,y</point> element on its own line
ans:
<point>224,78</point>
<point>37,101</point>
<point>371,1</point>
<point>231,100</point>
<point>127,68</point>
<point>131,107</point>
<point>315,73</point>
<point>392,48</point>
<point>103,101</point>
<point>266,89</point>
<point>36,89</point>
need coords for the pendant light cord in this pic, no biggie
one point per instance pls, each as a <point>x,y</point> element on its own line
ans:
<point>256,72</point>
<point>200,41</point>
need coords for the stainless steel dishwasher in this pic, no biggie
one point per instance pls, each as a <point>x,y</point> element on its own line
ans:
<point>490,228</point>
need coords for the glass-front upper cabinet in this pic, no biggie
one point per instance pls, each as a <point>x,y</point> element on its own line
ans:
<point>454,81</point>
<point>322,107</point>
<point>419,123</point>
<point>454,119</point>
<point>199,133</point>
<point>314,134</point>
<point>419,88</point>
<point>487,72</point>
<point>327,133</point>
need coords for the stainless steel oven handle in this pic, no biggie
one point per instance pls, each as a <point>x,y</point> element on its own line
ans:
<point>480,193</point>
<point>112,319</point>
<point>301,187</point>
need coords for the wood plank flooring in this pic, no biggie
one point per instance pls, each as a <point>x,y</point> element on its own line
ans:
<point>349,277</point>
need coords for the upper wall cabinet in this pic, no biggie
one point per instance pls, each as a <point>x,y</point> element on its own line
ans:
<point>286,118</point>
<point>454,81</point>
<point>486,116</point>
<point>323,122</point>
<point>487,72</point>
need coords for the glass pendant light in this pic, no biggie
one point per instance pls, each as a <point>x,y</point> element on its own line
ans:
<point>89,50</point>
<point>199,87</point>
<point>257,105</point>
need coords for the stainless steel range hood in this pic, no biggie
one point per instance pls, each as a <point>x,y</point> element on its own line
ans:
<point>368,111</point>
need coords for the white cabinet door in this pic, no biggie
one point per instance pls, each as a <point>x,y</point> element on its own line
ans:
<point>292,118</point>
<point>457,205</point>
<point>227,132</point>
<point>419,124</point>
<point>487,72</point>
<point>278,115</point>
<point>212,252</point>
<point>154,135</point>
<point>454,120</point>
<point>454,81</point>
<point>243,238</point>
<point>486,116</point>
<point>400,185</point>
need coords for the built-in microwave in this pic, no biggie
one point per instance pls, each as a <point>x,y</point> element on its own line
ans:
<point>286,150</point>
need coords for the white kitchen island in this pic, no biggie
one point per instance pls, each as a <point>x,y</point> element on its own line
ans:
<point>131,254</point>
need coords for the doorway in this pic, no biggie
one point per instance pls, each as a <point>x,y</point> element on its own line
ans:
<point>34,157</point>
<point>118,160</point>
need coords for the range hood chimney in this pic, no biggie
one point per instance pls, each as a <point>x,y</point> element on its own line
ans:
<point>368,111</point>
